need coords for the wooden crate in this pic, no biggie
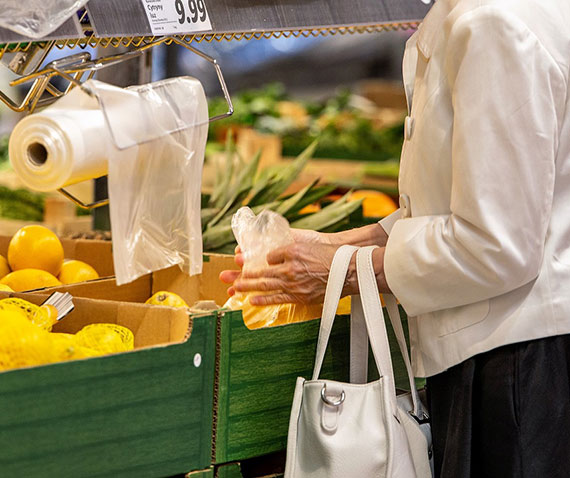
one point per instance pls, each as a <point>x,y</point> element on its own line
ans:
<point>145,413</point>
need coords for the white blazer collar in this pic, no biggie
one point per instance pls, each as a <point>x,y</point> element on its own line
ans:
<point>432,24</point>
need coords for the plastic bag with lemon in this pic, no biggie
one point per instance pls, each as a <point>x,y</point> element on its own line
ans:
<point>26,340</point>
<point>257,236</point>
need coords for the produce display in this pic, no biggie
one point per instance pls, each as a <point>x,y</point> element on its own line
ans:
<point>36,260</point>
<point>26,339</point>
<point>342,128</point>
<point>240,184</point>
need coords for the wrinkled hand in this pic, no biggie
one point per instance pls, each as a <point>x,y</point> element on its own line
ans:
<point>297,273</point>
<point>299,236</point>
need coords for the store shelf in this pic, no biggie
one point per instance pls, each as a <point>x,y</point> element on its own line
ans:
<point>127,18</point>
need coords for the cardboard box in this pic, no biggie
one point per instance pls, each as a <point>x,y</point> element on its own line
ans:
<point>205,286</point>
<point>144,413</point>
<point>98,254</point>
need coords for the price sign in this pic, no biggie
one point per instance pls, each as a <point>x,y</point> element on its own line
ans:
<point>168,17</point>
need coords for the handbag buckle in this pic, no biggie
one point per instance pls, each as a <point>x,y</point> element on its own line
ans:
<point>421,421</point>
<point>330,402</point>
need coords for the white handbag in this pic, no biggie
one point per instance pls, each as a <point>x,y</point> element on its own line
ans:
<point>358,429</point>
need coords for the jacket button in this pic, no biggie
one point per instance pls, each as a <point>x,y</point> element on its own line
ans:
<point>405,208</point>
<point>408,128</point>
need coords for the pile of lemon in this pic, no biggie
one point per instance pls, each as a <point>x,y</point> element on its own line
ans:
<point>35,260</point>
<point>26,339</point>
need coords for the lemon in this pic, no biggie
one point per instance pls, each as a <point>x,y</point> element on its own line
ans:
<point>66,347</point>
<point>105,338</point>
<point>4,267</point>
<point>22,344</point>
<point>74,271</point>
<point>35,247</point>
<point>43,316</point>
<point>375,204</point>
<point>167,298</point>
<point>29,279</point>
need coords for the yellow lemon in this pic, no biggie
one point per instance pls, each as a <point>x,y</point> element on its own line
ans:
<point>167,298</point>
<point>375,204</point>
<point>105,338</point>
<point>22,344</point>
<point>66,348</point>
<point>35,247</point>
<point>29,279</point>
<point>4,267</point>
<point>74,271</point>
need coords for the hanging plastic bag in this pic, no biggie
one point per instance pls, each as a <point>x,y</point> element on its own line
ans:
<point>150,139</point>
<point>37,18</point>
<point>155,183</point>
<point>257,236</point>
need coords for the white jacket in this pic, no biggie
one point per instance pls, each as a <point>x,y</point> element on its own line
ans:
<point>480,256</point>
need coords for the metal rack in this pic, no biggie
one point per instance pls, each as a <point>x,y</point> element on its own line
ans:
<point>112,23</point>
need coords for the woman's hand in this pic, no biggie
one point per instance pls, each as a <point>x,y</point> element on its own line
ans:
<point>297,273</point>
<point>299,236</point>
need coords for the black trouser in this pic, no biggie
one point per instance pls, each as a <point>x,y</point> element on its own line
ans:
<point>504,413</point>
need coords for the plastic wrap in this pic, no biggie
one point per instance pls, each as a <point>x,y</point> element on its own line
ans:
<point>150,139</point>
<point>66,143</point>
<point>257,236</point>
<point>37,18</point>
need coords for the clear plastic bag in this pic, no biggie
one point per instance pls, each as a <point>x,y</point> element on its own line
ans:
<point>257,236</point>
<point>37,18</point>
<point>155,181</point>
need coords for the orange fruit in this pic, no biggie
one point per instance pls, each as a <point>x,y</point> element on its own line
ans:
<point>76,271</point>
<point>375,204</point>
<point>4,267</point>
<point>35,247</point>
<point>29,279</point>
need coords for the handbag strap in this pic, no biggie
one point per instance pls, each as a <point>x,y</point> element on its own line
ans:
<point>374,317</point>
<point>358,343</point>
<point>333,292</point>
<point>368,285</point>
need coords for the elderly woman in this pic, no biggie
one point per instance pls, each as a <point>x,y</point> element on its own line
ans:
<point>479,252</point>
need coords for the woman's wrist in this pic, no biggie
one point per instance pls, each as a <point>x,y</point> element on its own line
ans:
<point>371,235</point>
<point>351,281</point>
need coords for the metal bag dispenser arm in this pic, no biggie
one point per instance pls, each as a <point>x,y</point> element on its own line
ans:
<point>107,23</point>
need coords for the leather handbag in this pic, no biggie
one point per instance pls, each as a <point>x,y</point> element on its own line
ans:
<point>358,429</point>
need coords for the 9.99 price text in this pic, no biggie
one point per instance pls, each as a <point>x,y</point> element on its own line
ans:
<point>194,12</point>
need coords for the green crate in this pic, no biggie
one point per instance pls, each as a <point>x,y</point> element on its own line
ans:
<point>256,379</point>
<point>146,413</point>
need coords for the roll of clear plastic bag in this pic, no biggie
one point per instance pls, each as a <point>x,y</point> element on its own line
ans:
<point>37,18</point>
<point>150,139</point>
<point>257,236</point>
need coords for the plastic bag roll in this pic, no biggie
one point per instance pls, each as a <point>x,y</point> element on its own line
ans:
<point>150,140</point>
<point>56,148</point>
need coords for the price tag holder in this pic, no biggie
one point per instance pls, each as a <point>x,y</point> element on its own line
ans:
<point>177,17</point>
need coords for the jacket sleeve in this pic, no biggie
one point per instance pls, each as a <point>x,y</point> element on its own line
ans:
<point>504,89</point>
<point>388,222</point>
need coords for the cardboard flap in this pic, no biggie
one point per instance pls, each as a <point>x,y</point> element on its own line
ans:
<point>107,289</point>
